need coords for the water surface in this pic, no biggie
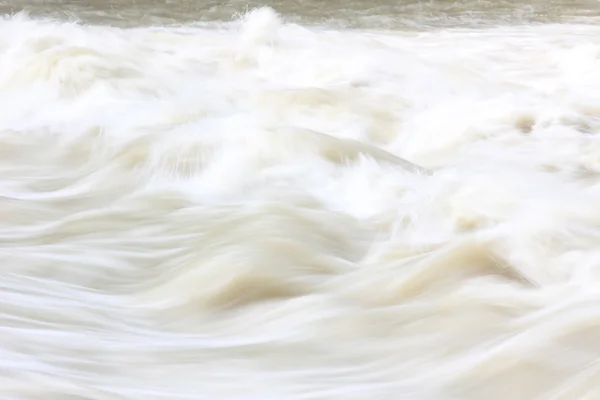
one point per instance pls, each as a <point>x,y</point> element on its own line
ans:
<point>299,200</point>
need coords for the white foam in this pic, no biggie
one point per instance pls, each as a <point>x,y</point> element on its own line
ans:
<point>272,211</point>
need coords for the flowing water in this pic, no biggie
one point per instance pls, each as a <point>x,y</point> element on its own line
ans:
<point>299,199</point>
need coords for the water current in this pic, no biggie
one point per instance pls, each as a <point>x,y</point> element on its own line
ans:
<point>299,199</point>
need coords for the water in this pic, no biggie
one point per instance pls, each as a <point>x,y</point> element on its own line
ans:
<point>378,14</point>
<point>312,200</point>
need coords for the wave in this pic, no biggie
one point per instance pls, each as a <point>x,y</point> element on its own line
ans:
<point>267,209</point>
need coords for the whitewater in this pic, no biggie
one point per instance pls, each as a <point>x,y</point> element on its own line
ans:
<point>266,209</point>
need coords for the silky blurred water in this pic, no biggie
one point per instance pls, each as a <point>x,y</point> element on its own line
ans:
<point>299,200</point>
<point>376,14</point>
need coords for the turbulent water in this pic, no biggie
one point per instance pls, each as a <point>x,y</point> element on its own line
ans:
<point>283,205</point>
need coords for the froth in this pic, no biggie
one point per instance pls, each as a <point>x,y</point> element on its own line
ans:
<point>273,211</point>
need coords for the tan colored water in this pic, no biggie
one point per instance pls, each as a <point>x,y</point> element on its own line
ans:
<point>378,14</point>
<point>276,206</point>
